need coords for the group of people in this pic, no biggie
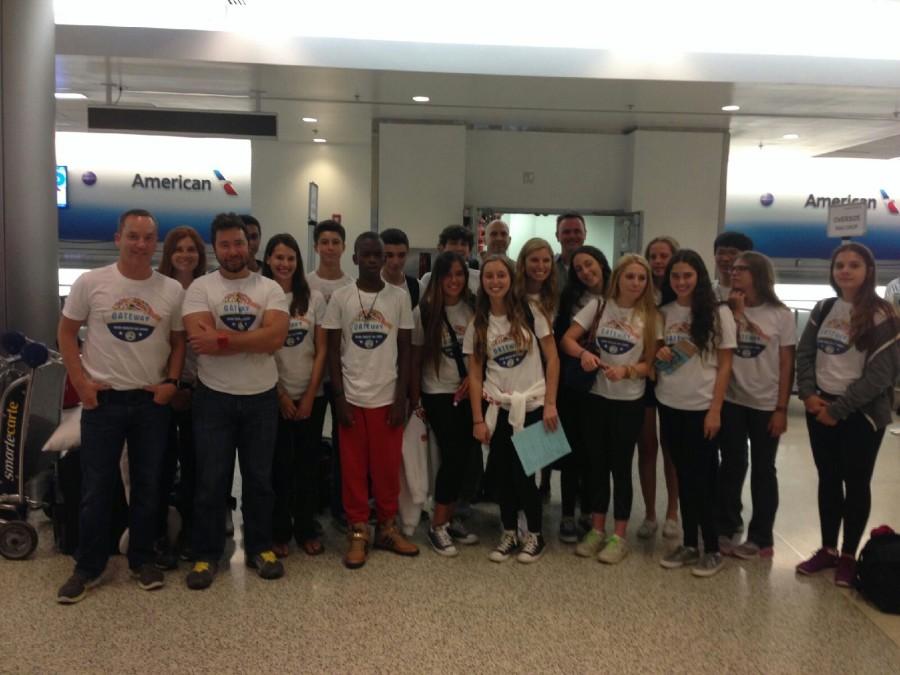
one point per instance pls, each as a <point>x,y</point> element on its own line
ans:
<point>193,369</point>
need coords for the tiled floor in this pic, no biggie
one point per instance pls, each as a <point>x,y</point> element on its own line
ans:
<point>563,614</point>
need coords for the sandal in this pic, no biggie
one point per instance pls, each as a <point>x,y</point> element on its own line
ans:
<point>312,547</point>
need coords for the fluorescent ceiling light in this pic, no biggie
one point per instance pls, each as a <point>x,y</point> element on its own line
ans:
<point>310,120</point>
<point>421,99</point>
<point>69,96</point>
<point>791,137</point>
<point>731,108</point>
<point>320,140</point>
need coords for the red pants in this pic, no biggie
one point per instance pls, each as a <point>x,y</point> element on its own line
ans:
<point>370,447</point>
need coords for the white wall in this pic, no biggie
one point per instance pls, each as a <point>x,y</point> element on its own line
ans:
<point>421,179</point>
<point>677,182</point>
<point>571,171</point>
<point>523,226</point>
<point>281,176</point>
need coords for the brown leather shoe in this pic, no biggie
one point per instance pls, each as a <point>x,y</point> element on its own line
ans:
<point>389,538</point>
<point>358,551</point>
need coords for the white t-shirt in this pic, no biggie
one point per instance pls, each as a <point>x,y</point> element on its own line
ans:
<point>295,358</point>
<point>509,369</point>
<point>838,363</point>
<point>691,386</point>
<point>721,292</point>
<point>892,293</point>
<point>236,305</point>
<point>474,281</point>
<point>619,342</point>
<point>369,340</point>
<point>761,334</point>
<point>327,286</point>
<point>447,379</point>
<point>128,325</point>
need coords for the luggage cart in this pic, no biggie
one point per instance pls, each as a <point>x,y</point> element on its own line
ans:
<point>31,388</point>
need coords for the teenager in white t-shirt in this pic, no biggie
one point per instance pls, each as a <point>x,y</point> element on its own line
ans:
<point>235,321</point>
<point>301,402</point>
<point>693,368</point>
<point>622,335</point>
<point>755,407</point>
<point>658,253</point>
<point>125,377</point>
<point>455,239</point>
<point>329,239</point>
<point>848,361</point>
<point>369,326</point>
<point>440,378</point>
<point>508,390</point>
<point>726,248</point>
<point>396,250</point>
<point>588,276</point>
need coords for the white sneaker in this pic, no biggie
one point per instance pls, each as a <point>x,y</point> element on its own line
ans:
<point>670,529</point>
<point>441,541</point>
<point>509,544</point>
<point>615,550</point>
<point>647,529</point>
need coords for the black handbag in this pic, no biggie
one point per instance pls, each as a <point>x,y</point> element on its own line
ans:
<point>572,375</point>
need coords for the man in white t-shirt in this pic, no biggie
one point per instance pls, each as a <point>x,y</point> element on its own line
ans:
<point>456,239</point>
<point>369,328</point>
<point>235,321</point>
<point>396,249</point>
<point>125,377</point>
<point>726,248</point>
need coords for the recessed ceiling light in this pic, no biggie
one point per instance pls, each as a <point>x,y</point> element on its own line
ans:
<point>320,140</point>
<point>791,137</point>
<point>421,99</point>
<point>310,120</point>
<point>69,95</point>
<point>731,108</point>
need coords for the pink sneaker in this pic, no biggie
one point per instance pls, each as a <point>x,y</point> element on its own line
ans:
<point>845,575</point>
<point>821,560</point>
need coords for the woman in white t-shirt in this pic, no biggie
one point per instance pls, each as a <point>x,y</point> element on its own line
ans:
<point>658,253</point>
<point>440,378</point>
<point>693,368</point>
<point>848,361</point>
<point>508,391</point>
<point>755,407</point>
<point>588,277</point>
<point>301,365</point>
<point>183,259</point>
<point>622,335</point>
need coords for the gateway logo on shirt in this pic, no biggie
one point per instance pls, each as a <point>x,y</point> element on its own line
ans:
<point>676,332</point>
<point>617,337</point>
<point>298,327</point>
<point>368,332</point>
<point>238,311</point>
<point>834,337</point>
<point>751,341</point>
<point>132,320</point>
<point>505,352</point>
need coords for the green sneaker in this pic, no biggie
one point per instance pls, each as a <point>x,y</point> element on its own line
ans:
<point>615,550</point>
<point>590,544</point>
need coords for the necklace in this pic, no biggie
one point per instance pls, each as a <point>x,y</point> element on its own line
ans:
<point>367,314</point>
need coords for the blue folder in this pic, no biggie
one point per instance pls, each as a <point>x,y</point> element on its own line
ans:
<point>538,447</point>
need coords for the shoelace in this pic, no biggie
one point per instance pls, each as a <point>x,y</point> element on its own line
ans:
<point>268,556</point>
<point>531,544</point>
<point>443,537</point>
<point>508,542</point>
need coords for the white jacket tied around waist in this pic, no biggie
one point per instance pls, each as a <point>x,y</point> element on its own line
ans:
<point>517,402</point>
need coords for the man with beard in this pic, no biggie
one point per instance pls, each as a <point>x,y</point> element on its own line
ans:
<point>235,321</point>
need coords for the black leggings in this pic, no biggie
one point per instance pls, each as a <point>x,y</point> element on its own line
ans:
<point>845,459</point>
<point>179,460</point>
<point>452,427</point>
<point>740,423</point>
<point>517,491</point>
<point>697,462</point>
<point>295,475</point>
<point>574,476</point>
<point>609,430</point>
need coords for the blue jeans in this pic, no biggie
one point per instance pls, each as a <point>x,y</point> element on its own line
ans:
<point>121,416</point>
<point>223,422</point>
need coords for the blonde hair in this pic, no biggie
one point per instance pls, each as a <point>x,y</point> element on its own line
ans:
<point>644,306</point>
<point>548,299</point>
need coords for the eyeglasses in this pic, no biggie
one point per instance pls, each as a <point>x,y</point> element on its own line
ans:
<point>739,268</point>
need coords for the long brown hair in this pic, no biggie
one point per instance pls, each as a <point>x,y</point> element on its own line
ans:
<point>175,235</point>
<point>548,299</point>
<point>866,304</point>
<point>762,273</point>
<point>515,313</point>
<point>433,303</point>
<point>645,306</point>
<point>673,245</point>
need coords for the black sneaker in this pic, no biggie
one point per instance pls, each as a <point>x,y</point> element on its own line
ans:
<point>441,541</point>
<point>267,565</point>
<point>533,548</point>
<point>509,544</point>
<point>460,533</point>
<point>75,588</point>
<point>201,575</point>
<point>568,531</point>
<point>149,577</point>
<point>166,558</point>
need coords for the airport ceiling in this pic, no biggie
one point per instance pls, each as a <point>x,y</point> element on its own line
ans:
<point>847,121</point>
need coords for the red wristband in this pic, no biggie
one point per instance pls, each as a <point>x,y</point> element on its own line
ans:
<point>222,340</point>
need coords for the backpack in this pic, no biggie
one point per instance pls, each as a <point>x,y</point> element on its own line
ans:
<point>878,571</point>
